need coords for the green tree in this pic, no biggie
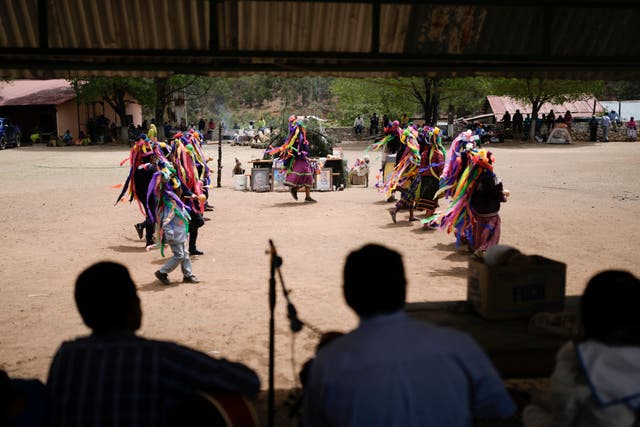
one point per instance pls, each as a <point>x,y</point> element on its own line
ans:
<point>537,92</point>
<point>464,96</point>
<point>408,95</point>
<point>366,96</point>
<point>621,91</point>
<point>164,89</point>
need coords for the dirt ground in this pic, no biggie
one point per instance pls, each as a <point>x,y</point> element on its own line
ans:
<point>578,204</point>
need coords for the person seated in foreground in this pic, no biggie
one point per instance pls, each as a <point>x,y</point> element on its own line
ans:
<point>114,377</point>
<point>396,371</point>
<point>596,381</point>
<point>23,402</point>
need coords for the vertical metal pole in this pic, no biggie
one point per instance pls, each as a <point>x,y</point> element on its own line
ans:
<point>219,154</point>
<point>271,403</point>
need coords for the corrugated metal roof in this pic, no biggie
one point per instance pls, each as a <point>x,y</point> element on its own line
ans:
<point>583,108</point>
<point>546,38</point>
<point>35,92</point>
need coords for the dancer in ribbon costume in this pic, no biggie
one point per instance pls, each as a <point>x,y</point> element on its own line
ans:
<point>295,154</point>
<point>432,159</point>
<point>389,145</point>
<point>405,176</point>
<point>172,219</point>
<point>454,168</point>
<point>192,171</point>
<point>142,161</point>
<point>485,204</point>
<point>466,167</point>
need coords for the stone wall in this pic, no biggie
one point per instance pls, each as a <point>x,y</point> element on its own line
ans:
<point>341,134</point>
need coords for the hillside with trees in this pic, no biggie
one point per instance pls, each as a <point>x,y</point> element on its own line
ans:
<point>245,99</point>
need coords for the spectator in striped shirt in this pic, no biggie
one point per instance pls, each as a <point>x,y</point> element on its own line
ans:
<point>114,377</point>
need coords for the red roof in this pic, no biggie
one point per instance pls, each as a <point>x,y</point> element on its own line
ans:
<point>35,92</point>
<point>500,104</point>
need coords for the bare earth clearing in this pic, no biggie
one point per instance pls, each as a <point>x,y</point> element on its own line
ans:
<point>578,204</point>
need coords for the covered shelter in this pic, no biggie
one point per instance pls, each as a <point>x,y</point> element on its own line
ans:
<point>569,39</point>
<point>52,107</point>
<point>581,109</point>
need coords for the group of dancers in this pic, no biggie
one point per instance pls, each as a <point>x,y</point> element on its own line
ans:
<point>170,182</point>
<point>424,172</point>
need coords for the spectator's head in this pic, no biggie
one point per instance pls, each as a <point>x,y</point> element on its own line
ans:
<point>374,281</point>
<point>107,300</point>
<point>609,308</point>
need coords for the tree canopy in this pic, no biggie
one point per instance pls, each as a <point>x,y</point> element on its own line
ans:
<point>274,98</point>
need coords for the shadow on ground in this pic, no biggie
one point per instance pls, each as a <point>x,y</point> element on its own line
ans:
<point>127,249</point>
<point>460,272</point>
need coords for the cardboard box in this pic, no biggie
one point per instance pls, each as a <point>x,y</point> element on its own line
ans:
<point>516,291</point>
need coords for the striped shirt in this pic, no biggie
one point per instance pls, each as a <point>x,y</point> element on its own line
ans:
<point>126,380</point>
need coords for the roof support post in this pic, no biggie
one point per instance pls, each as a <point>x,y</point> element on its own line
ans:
<point>43,24</point>
<point>375,27</point>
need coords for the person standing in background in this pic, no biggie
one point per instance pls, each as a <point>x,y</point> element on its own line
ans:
<point>358,125</point>
<point>517,124</point>
<point>374,122</point>
<point>606,122</point>
<point>568,120</point>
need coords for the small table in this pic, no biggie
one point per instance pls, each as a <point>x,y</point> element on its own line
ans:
<point>336,165</point>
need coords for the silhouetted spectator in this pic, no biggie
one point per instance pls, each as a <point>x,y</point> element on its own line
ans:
<point>551,118</point>
<point>506,120</point>
<point>517,124</point>
<point>396,371</point>
<point>115,378</point>
<point>23,402</point>
<point>526,125</point>
<point>596,381</point>
<point>568,119</point>
<point>374,123</point>
<point>385,121</point>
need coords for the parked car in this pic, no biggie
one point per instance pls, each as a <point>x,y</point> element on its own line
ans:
<point>9,133</point>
